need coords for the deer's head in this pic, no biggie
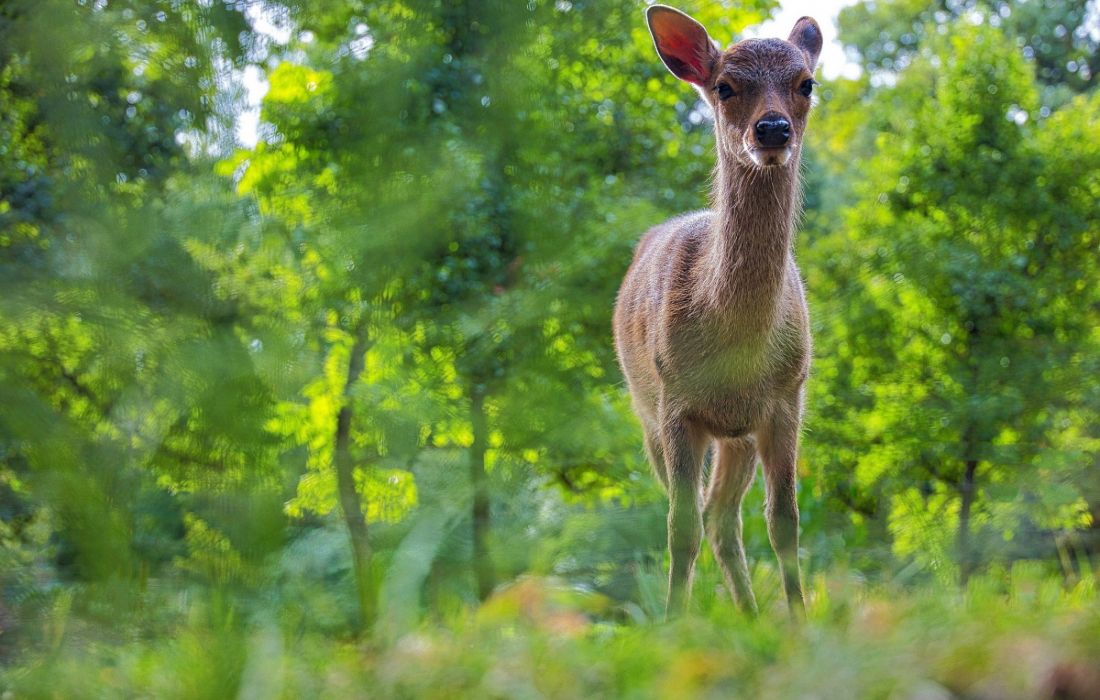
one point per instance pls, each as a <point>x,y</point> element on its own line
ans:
<point>759,89</point>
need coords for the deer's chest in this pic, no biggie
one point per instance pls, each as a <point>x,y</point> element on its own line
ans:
<point>730,381</point>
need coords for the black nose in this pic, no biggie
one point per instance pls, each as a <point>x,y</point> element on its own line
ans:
<point>772,132</point>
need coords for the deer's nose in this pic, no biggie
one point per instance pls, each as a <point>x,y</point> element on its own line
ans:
<point>772,132</point>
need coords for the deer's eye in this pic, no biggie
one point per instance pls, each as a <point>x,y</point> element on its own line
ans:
<point>724,91</point>
<point>807,87</point>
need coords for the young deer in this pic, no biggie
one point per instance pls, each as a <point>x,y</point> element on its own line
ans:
<point>711,325</point>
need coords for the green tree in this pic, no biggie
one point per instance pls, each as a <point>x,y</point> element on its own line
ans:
<point>954,333</point>
<point>509,151</point>
<point>132,413</point>
<point>1056,36</point>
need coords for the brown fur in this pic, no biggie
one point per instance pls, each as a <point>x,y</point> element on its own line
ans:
<point>711,325</point>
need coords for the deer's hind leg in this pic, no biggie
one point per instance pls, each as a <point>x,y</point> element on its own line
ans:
<point>733,472</point>
<point>779,451</point>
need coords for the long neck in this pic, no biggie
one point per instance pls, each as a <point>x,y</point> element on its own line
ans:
<point>746,261</point>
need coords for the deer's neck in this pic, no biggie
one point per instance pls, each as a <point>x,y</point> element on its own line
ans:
<point>745,265</point>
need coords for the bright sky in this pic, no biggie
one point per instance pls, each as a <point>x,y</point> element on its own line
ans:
<point>833,61</point>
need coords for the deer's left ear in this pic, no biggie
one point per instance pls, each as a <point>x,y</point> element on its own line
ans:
<point>806,35</point>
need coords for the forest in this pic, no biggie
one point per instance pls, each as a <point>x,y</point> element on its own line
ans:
<point>338,413</point>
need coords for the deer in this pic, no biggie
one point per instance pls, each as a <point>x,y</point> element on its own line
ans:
<point>711,324</point>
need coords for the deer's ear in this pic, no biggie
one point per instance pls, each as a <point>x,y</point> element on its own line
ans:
<point>682,43</point>
<point>806,35</point>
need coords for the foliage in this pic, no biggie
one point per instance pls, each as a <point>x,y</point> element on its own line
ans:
<point>980,312</point>
<point>1059,37</point>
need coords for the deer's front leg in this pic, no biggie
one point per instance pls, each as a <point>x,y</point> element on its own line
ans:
<point>684,444</point>
<point>779,453</point>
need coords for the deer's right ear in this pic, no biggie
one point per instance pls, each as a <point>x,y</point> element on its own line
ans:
<point>682,43</point>
<point>806,35</point>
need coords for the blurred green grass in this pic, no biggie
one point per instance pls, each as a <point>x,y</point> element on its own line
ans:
<point>1017,634</point>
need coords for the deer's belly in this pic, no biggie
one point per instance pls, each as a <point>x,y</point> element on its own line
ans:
<point>733,411</point>
<point>732,391</point>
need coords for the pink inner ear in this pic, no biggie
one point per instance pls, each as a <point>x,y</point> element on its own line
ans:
<point>682,43</point>
<point>685,49</point>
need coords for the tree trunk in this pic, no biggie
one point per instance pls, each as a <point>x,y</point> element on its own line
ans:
<point>967,490</point>
<point>483,565</point>
<point>350,503</point>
